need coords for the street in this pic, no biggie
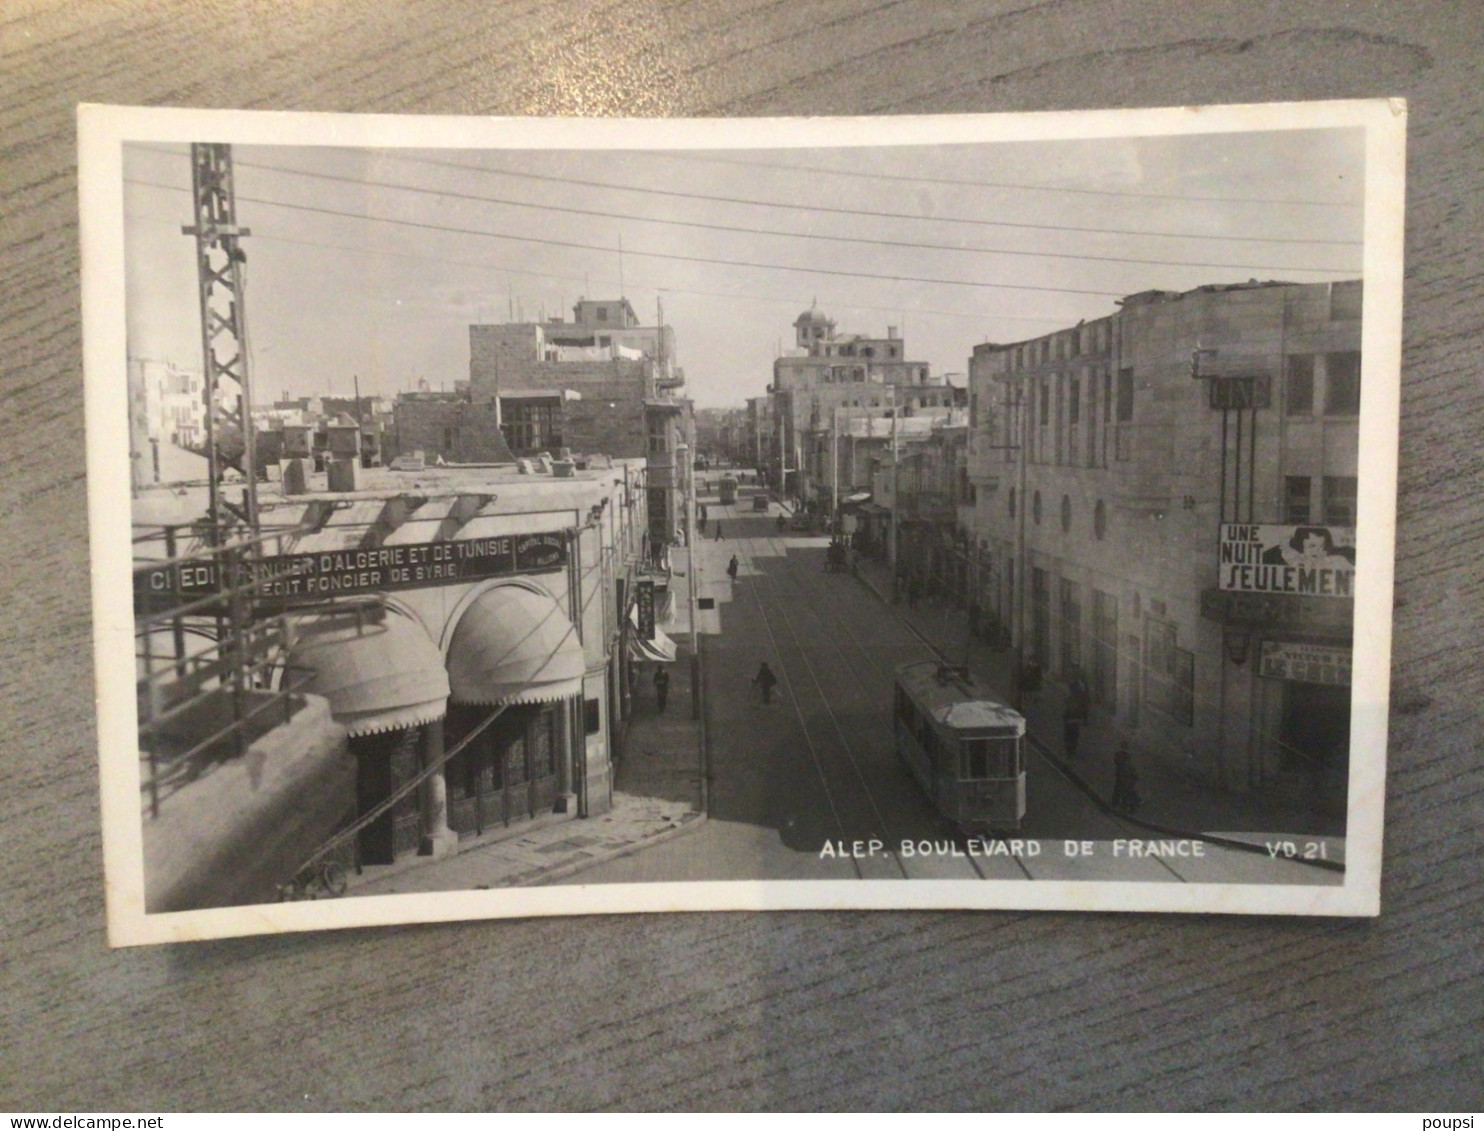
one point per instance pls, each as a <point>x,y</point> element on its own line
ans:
<point>808,786</point>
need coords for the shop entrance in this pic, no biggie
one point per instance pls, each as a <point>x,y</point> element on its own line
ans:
<point>1315,740</point>
<point>384,763</point>
<point>507,774</point>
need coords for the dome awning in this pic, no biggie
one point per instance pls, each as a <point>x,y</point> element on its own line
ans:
<point>513,645</point>
<point>379,674</point>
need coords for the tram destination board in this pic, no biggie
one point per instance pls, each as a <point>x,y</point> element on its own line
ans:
<point>299,578</point>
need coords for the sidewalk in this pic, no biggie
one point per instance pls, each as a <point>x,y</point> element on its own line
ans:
<point>657,794</point>
<point>1171,798</point>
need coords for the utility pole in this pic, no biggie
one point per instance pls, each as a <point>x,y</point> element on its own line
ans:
<point>691,579</point>
<point>219,268</point>
<point>1022,580</point>
<point>835,470</point>
<point>896,497</point>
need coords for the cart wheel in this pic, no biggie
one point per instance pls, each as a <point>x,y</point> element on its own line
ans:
<point>332,877</point>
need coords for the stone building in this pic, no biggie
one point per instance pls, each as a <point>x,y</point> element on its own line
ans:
<point>828,375</point>
<point>599,383</point>
<point>480,613</point>
<point>1166,500</point>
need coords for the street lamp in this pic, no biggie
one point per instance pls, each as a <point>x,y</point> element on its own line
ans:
<point>684,449</point>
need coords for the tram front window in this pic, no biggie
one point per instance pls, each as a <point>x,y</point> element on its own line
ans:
<point>986,758</point>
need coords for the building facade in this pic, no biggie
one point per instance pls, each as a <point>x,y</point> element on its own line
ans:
<point>827,376</point>
<point>1165,501</point>
<point>459,641</point>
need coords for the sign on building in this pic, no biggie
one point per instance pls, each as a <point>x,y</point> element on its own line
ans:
<point>1305,663</point>
<point>343,573</point>
<point>644,597</point>
<point>1306,561</point>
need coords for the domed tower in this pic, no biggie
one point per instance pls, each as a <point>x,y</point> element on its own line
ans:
<point>812,328</point>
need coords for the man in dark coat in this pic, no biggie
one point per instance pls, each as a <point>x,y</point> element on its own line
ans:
<point>1125,782</point>
<point>766,681</point>
<point>661,687</point>
<point>1075,711</point>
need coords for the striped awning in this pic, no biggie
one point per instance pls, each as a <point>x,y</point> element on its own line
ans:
<point>379,673</point>
<point>514,645</point>
<point>660,650</point>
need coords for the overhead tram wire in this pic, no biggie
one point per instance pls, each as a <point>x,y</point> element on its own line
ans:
<point>911,245</point>
<point>449,229</point>
<point>787,206</point>
<point>1051,320</point>
<point>973,221</point>
<point>1014,186</point>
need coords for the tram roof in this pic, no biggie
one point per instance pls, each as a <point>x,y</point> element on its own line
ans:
<point>952,698</point>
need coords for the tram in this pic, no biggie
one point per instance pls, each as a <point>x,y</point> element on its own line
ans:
<point>965,748</point>
<point>728,490</point>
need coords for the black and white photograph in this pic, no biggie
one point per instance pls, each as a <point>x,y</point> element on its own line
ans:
<point>497,517</point>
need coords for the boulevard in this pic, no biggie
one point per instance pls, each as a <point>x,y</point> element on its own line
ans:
<point>808,786</point>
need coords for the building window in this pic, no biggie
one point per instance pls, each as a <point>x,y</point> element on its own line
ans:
<point>592,719</point>
<point>1040,614</point>
<point>1169,674</point>
<point>1010,499</point>
<point>1345,301</point>
<point>1074,420</point>
<point>1071,628</point>
<point>1100,520</point>
<point>1298,392</point>
<point>1339,500</point>
<point>1043,415</point>
<point>1123,437</point>
<point>1036,508</point>
<point>1342,383</point>
<point>1066,513</point>
<point>531,427</point>
<point>1104,647</point>
<point>1296,495</point>
<point>1125,396</point>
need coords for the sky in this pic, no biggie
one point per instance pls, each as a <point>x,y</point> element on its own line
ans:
<point>370,265</point>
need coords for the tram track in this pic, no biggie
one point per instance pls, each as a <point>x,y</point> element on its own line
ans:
<point>823,607</point>
<point>1123,821</point>
<point>886,673</point>
<point>814,753</point>
<point>846,746</point>
<point>823,610</point>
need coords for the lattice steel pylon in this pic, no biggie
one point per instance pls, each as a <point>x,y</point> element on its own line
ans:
<point>219,269</point>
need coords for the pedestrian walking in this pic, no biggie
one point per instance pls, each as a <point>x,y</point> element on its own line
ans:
<point>732,568</point>
<point>1030,681</point>
<point>1074,712</point>
<point>765,681</point>
<point>718,530</point>
<point>661,687</point>
<point>1125,783</point>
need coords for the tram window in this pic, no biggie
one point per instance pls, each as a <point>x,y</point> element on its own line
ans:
<point>981,758</point>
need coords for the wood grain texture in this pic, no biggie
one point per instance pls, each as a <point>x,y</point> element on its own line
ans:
<point>745,1011</point>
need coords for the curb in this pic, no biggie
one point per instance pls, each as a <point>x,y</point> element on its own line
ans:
<point>535,877</point>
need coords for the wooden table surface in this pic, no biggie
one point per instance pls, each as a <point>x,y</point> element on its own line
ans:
<point>709,1011</point>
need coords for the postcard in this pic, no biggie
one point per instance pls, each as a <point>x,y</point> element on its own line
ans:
<point>508,517</point>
